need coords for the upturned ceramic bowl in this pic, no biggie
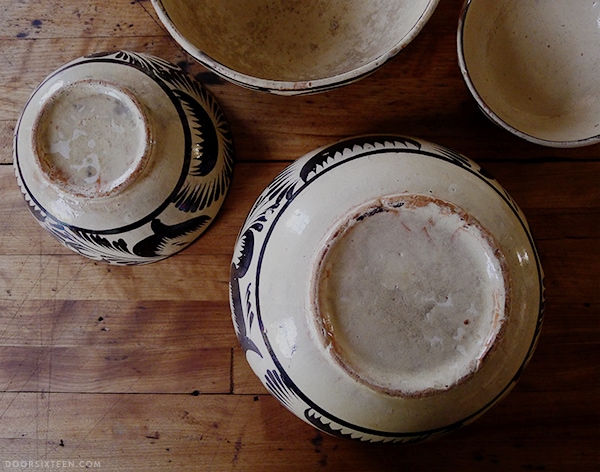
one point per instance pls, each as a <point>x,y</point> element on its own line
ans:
<point>386,289</point>
<point>533,67</point>
<point>294,47</point>
<point>123,157</point>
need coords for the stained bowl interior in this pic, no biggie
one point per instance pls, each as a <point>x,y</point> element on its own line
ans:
<point>533,66</point>
<point>287,41</point>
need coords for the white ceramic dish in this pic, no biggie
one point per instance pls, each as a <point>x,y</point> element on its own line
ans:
<point>385,289</point>
<point>533,67</point>
<point>123,157</point>
<point>294,47</point>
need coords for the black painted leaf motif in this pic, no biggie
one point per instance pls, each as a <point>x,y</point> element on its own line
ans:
<point>453,157</point>
<point>99,54</point>
<point>247,250</point>
<point>328,156</point>
<point>208,179</point>
<point>280,183</point>
<point>276,195</point>
<point>249,307</point>
<point>279,389</point>
<point>326,425</point>
<point>97,241</point>
<point>211,168</point>
<point>92,245</point>
<point>238,316</point>
<point>164,236</point>
<point>206,152</point>
<point>134,59</point>
<point>317,422</point>
<point>316,162</point>
<point>151,65</point>
<point>37,213</point>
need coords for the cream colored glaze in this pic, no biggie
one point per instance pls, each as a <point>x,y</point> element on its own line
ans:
<point>535,64</point>
<point>410,295</point>
<point>91,139</point>
<point>293,41</point>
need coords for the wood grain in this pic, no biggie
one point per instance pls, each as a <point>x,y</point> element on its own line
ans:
<point>139,369</point>
<point>253,432</point>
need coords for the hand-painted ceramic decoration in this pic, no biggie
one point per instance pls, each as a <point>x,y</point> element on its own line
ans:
<point>294,47</point>
<point>533,67</point>
<point>123,157</point>
<point>386,289</point>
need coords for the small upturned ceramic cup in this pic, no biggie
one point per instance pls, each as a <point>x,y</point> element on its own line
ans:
<point>386,289</point>
<point>533,67</point>
<point>294,47</point>
<point>123,157</point>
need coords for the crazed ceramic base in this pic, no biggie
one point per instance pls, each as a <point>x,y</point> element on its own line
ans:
<point>91,139</point>
<point>386,289</point>
<point>388,301</point>
<point>123,157</point>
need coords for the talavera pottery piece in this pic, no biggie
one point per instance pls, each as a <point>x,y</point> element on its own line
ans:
<point>385,289</point>
<point>123,157</point>
<point>293,47</point>
<point>533,67</point>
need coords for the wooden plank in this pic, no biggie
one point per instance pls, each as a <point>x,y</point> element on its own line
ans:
<point>28,248</point>
<point>72,277</point>
<point>571,323</point>
<point>37,19</point>
<point>141,346</point>
<point>550,185</point>
<point>575,364</point>
<point>56,278</point>
<point>116,369</point>
<point>128,324</point>
<point>245,432</point>
<point>7,129</point>
<point>577,223</point>
<point>572,269</point>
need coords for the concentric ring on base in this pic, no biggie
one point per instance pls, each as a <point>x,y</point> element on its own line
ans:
<point>91,138</point>
<point>410,294</point>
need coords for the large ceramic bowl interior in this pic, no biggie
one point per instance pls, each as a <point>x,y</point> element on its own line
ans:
<point>123,157</point>
<point>386,289</point>
<point>533,67</point>
<point>293,47</point>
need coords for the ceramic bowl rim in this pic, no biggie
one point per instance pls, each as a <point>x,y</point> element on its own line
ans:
<point>285,87</point>
<point>489,112</point>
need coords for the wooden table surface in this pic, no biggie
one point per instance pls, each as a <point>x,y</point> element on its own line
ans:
<point>138,368</point>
